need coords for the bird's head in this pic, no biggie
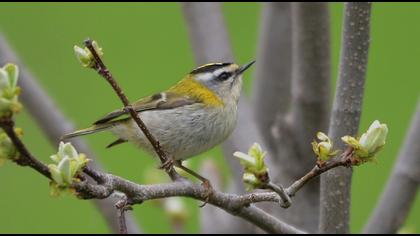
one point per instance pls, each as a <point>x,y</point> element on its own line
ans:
<point>222,79</point>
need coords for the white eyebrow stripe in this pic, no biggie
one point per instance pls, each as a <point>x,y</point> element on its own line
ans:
<point>206,76</point>
<point>219,71</point>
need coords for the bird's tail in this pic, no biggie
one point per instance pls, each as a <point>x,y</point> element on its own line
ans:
<point>90,130</point>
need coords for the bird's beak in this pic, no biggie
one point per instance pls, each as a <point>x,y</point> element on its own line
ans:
<point>244,67</point>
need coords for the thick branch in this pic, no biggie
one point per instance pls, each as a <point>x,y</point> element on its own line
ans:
<point>237,205</point>
<point>232,203</point>
<point>310,75</point>
<point>310,91</point>
<point>345,117</point>
<point>54,125</point>
<point>208,34</point>
<point>401,189</point>
<point>271,92</point>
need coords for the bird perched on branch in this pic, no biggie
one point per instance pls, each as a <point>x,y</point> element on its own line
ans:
<point>193,116</point>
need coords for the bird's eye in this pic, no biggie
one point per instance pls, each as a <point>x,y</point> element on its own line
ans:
<point>224,76</point>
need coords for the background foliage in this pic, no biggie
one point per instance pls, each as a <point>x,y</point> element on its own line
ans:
<point>147,48</point>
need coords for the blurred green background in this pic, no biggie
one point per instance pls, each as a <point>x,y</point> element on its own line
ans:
<point>147,48</point>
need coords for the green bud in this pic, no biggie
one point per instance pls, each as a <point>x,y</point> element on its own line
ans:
<point>324,149</point>
<point>8,150</point>
<point>256,172</point>
<point>253,162</point>
<point>251,181</point>
<point>9,91</point>
<point>13,72</point>
<point>84,55</point>
<point>4,79</point>
<point>370,142</point>
<point>56,174</point>
<point>97,49</point>
<point>64,168</point>
<point>374,139</point>
<point>67,164</point>
<point>246,160</point>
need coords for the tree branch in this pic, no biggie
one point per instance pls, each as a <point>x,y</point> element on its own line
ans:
<point>345,117</point>
<point>310,76</point>
<point>54,125</point>
<point>213,219</point>
<point>273,70</point>
<point>237,205</point>
<point>400,191</point>
<point>136,194</point>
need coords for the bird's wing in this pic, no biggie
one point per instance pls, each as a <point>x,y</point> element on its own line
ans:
<point>159,101</point>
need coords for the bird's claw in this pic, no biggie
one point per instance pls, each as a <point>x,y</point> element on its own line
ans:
<point>208,192</point>
<point>167,165</point>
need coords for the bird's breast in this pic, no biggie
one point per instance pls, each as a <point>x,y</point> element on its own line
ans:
<point>185,131</point>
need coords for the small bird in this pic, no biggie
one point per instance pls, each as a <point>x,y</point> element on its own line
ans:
<point>193,116</point>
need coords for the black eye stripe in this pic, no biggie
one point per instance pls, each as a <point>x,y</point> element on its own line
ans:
<point>224,76</point>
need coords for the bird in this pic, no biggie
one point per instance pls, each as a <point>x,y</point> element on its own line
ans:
<point>189,118</point>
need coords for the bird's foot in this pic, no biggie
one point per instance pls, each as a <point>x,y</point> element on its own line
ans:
<point>167,165</point>
<point>208,191</point>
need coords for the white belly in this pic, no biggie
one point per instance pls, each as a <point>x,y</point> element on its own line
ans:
<point>182,132</point>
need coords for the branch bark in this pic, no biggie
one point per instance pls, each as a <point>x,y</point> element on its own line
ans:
<point>310,76</point>
<point>213,219</point>
<point>107,184</point>
<point>400,191</point>
<point>237,205</point>
<point>345,117</point>
<point>273,70</point>
<point>53,123</point>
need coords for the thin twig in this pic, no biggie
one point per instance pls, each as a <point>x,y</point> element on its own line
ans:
<point>344,160</point>
<point>121,217</point>
<point>26,158</point>
<point>286,201</point>
<point>122,206</point>
<point>106,74</point>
